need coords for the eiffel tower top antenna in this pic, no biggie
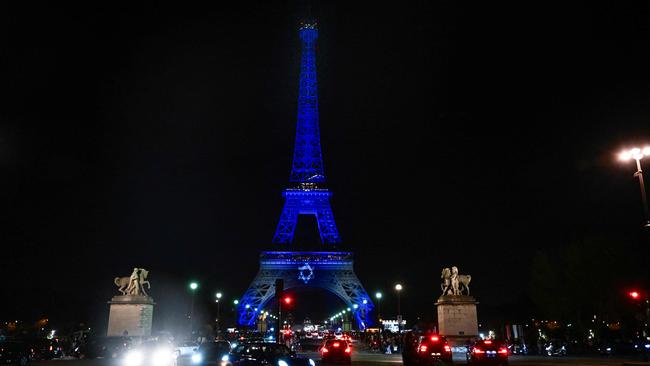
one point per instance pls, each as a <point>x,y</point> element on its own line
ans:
<point>307,165</point>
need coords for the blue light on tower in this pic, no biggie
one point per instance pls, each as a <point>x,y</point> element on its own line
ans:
<point>307,194</point>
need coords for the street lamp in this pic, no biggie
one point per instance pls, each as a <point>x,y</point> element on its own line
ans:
<point>218,295</point>
<point>637,154</point>
<point>193,287</point>
<point>378,297</point>
<point>398,288</point>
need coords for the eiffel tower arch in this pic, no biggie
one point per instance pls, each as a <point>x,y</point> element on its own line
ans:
<point>329,270</point>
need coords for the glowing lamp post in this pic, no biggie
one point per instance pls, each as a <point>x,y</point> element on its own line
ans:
<point>638,154</point>
<point>378,297</point>
<point>398,288</point>
<point>218,296</point>
<point>193,287</point>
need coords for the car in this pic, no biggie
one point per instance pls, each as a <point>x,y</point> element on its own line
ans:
<point>186,349</point>
<point>265,354</point>
<point>335,351</point>
<point>426,350</point>
<point>487,352</point>
<point>310,344</point>
<point>150,353</point>
<point>211,353</point>
<point>14,353</point>
<point>433,349</point>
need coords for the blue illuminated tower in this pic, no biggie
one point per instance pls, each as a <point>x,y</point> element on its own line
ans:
<point>328,270</point>
<point>309,195</point>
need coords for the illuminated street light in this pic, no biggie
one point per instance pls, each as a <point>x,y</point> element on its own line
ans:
<point>378,296</point>
<point>193,287</point>
<point>218,295</point>
<point>398,288</point>
<point>236,302</point>
<point>637,154</point>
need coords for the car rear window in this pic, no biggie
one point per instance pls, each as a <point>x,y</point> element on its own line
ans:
<point>331,343</point>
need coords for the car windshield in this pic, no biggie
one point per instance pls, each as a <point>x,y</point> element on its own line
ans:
<point>488,344</point>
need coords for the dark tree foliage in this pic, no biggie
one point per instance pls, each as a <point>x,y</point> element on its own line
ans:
<point>587,277</point>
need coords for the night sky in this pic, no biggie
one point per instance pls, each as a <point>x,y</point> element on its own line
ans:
<point>453,133</point>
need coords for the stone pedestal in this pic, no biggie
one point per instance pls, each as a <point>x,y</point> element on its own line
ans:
<point>457,318</point>
<point>130,315</point>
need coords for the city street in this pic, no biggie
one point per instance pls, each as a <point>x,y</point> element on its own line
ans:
<point>361,358</point>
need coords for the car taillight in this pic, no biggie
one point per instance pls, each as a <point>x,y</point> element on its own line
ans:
<point>503,350</point>
<point>487,342</point>
<point>324,350</point>
<point>435,338</point>
<point>447,348</point>
<point>348,350</point>
<point>478,350</point>
<point>423,348</point>
<point>336,344</point>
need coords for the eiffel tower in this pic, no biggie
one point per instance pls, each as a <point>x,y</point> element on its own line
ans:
<point>330,270</point>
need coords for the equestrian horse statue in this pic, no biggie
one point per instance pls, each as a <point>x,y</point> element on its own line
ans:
<point>453,283</point>
<point>133,285</point>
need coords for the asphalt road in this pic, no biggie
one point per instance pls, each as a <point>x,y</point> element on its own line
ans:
<point>362,358</point>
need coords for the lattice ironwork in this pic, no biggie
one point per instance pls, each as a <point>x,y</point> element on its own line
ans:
<point>331,271</point>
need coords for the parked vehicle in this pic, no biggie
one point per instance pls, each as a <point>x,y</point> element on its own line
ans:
<point>555,348</point>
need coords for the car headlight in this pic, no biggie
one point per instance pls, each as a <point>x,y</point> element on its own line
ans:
<point>161,357</point>
<point>197,358</point>
<point>133,358</point>
<point>311,362</point>
<point>225,358</point>
<point>282,363</point>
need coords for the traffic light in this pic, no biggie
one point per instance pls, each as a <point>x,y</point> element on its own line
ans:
<point>287,300</point>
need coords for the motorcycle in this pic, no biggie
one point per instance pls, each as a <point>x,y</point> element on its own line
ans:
<point>555,350</point>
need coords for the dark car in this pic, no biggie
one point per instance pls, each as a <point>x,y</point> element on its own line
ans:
<point>211,353</point>
<point>336,351</point>
<point>267,354</point>
<point>14,353</point>
<point>311,344</point>
<point>487,352</point>
<point>425,350</point>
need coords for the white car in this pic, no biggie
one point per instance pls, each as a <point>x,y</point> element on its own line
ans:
<point>186,349</point>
